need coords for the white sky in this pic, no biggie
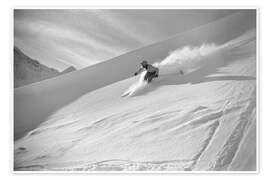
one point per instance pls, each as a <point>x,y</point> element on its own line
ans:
<point>61,38</point>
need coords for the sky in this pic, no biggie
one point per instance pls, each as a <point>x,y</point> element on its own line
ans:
<point>60,38</point>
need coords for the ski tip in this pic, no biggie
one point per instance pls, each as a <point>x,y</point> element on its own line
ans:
<point>125,95</point>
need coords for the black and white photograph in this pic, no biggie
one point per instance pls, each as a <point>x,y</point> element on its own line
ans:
<point>135,90</point>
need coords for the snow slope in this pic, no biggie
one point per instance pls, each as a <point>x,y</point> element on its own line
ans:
<point>204,120</point>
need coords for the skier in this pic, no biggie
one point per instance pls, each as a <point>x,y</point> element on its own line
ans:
<point>151,73</point>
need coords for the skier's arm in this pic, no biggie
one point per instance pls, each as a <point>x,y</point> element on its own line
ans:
<point>152,68</point>
<point>139,71</point>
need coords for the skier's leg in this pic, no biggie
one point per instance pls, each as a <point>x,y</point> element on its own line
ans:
<point>156,74</point>
<point>146,76</point>
<point>151,76</point>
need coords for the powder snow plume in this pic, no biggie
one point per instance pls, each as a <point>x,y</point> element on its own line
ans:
<point>191,58</point>
<point>186,59</point>
<point>136,87</point>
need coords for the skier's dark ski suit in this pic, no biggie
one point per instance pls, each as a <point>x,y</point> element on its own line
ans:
<point>151,71</point>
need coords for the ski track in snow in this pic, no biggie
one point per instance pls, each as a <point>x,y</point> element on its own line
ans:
<point>227,153</point>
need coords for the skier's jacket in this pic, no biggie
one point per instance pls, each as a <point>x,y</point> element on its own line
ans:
<point>149,68</point>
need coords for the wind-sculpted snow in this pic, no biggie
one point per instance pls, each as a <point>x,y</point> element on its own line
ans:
<point>204,120</point>
<point>226,155</point>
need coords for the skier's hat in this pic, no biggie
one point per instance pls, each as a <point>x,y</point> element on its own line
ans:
<point>143,63</point>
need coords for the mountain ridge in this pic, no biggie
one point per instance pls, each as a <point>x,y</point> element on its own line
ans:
<point>28,70</point>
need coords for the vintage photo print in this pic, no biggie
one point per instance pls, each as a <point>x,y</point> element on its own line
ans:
<point>135,90</point>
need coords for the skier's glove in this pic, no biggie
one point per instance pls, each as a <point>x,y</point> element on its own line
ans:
<point>135,74</point>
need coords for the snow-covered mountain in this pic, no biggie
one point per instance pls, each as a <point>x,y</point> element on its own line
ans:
<point>27,70</point>
<point>204,120</point>
<point>68,70</point>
